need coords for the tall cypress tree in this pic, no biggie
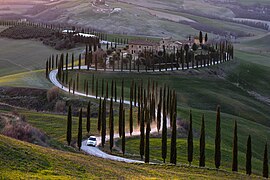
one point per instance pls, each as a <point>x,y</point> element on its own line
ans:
<point>102,88</point>
<point>69,126</point>
<point>88,115</point>
<point>99,114</point>
<point>174,133</point>
<point>147,136</point>
<point>123,132</point>
<point>159,116</point>
<point>103,130</point>
<point>111,120</point>
<point>265,163</point>
<point>190,140</point>
<point>131,119</point>
<point>79,142</point>
<point>202,144</point>
<point>96,88</point>
<point>122,91</point>
<point>142,133</point>
<point>217,140</point>
<point>80,61</point>
<point>235,149</point>
<point>164,133</point>
<point>107,90</point>
<point>249,156</point>
<point>120,124</point>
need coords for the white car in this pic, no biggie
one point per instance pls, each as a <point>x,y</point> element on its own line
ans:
<point>91,141</point>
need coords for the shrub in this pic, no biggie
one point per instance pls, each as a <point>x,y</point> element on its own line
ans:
<point>52,94</point>
<point>60,106</point>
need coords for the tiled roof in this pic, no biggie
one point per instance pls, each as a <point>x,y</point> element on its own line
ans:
<point>143,42</point>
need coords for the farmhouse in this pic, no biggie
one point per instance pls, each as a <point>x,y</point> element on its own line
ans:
<point>139,45</point>
<point>169,44</point>
<point>100,2</point>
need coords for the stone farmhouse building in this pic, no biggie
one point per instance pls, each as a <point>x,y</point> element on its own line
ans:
<point>139,45</point>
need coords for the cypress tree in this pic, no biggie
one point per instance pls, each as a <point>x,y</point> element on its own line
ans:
<point>131,119</point>
<point>103,130</point>
<point>79,143</point>
<point>217,140</point>
<point>107,90</point>
<point>47,71</point>
<point>72,62</point>
<point>122,91</point>
<point>159,116</point>
<point>93,84</point>
<point>120,118</point>
<point>77,87</point>
<point>102,88</point>
<point>142,133</point>
<point>96,88</point>
<point>202,144</point>
<point>164,133</point>
<point>147,136</point>
<point>190,140</point>
<point>123,132</point>
<point>88,117</point>
<point>174,133</point>
<point>111,120</point>
<point>99,115</point>
<point>201,38</point>
<point>115,91</point>
<point>265,162</point>
<point>249,156</point>
<point>135,95</point>
<point>80,61</point>
<point>235,149</point>
<point>69,126</point>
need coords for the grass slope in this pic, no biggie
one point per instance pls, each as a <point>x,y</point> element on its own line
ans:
<point>26,161</point>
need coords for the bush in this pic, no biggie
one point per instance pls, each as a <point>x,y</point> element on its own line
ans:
<point>52,94</point>
<point>60,106</point>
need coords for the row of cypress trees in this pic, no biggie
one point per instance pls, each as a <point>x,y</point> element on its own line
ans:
<point>168,108</point>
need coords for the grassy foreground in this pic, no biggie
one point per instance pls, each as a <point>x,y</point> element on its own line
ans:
<point>23,160</point>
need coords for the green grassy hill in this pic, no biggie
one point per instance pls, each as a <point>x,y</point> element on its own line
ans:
<point>26,161</point>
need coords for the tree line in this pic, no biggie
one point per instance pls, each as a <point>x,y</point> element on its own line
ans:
<point>159,105</point>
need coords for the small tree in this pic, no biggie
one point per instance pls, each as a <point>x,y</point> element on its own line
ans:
<point>202,144</point>
<point>69,126</point>
<point>88,117</point>
<point>217,140</point>
<point>79,142</point>
<point>265,162</point>
<point>190,140</point>
<point>235,149</point>
<point>194,47</point>
<point>248,156</point>
<point>206,37</point>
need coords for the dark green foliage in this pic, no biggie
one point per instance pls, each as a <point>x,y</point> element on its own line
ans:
<point>88,115</point>
<point>102,88</point>
<point>123,132</point>
<point>111,121</point>
<point>131,119</point>
<point>47,70</point>
<point>147,136</point>
<point>174,132</point>
<point>206,37</point>
<point>202,144</point>
<point>79,142</point>
<point>159,117</point>
<point>103,117</point>
<point>120,125</point>
<point>194,47</point>
<point>249,156</point>
<point>72,62</point>
<point>265,163</point>
<point>164,133</point>
<point>235,149</point>
<point>218,140</point>
<point>190,140</point>
<point>201,37</point>
<point>69,126</point>
<point>99,115</point>
<point>80,61</point>
<point>142,133</point>
<point>96,88</point>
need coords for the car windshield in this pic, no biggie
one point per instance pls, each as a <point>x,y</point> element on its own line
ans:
<point>92,139</point>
